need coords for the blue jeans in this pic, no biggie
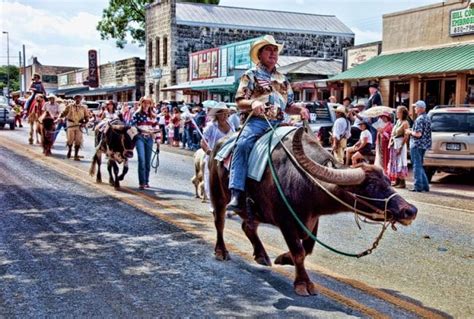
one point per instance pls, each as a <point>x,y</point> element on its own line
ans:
<point>254,129</point>
<point>188,137</point>
<point>144,150</point>
<point>61,124</point>
<point>421,181</point>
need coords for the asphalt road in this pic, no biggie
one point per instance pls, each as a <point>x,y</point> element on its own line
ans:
<point>70,247</point>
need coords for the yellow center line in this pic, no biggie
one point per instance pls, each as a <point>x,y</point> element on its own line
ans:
<point>198,230</point>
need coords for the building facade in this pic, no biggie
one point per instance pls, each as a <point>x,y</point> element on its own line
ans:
<point>427,53</point>
<point>121,81</point>
<point>174,30</point>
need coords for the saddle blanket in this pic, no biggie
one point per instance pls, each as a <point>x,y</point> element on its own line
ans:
<point>259,154</point>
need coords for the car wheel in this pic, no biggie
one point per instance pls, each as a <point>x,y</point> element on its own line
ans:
<point>430,171</point>
<point>2,125</point>
<point>12,126</point>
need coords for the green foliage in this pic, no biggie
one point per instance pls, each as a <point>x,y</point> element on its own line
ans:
<point>14,77</point>
<point>125,19</point>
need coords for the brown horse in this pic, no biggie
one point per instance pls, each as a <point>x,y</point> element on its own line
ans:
<point>34,114</point>
<point>46,128</point>
<point>313,189</point>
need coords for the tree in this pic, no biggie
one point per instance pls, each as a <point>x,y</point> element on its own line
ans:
<point>14,77</point>
<point>124,19</point>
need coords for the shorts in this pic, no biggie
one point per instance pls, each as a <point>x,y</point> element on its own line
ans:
<point>366,150</point>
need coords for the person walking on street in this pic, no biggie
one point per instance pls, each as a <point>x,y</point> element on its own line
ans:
<point>267,94</point>
<point>144,119</point>
<point>52,106</point>
<point>77,115</point>
<point>398,163</point>
<point>375,98</point>
<point>420,141</point>
<point>381,144</point>
<point>341,131</point>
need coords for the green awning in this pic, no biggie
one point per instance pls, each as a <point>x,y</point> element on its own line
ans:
<point>440,60</point>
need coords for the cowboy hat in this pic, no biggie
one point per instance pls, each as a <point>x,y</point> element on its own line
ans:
<point>341,109</point>
<point>260,43</point>
<point>221,106</point>
<point>51,96</point>
<point>76,95</point>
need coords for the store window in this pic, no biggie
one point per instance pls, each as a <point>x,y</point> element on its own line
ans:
<point>150,54</point>
<point>165,50</point>
<point>157,53</point>
<point>449,92</point>
<point>469,89</point>
<point>399,94</point>
<point>432,93</point>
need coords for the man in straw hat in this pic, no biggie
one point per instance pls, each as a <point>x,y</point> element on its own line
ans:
<point>52,106</point>
<point>341,131</point>
<point>264,94</point>
<point>76,115</point>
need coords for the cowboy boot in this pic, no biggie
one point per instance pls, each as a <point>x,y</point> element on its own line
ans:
<point>69,151</point>
<point>76,153</point>
<point>397,182</point>
<point>236,201</point>
<point>402,184</point>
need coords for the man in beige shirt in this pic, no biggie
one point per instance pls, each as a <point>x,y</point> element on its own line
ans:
<point>77,116</point>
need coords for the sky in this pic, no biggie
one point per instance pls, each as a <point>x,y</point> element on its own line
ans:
<point>60,32</point>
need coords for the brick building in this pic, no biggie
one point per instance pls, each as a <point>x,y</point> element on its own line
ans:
<point>174,30</point>
<point>122,81</point>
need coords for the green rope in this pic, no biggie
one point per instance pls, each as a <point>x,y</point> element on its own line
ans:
<point>285,200</point>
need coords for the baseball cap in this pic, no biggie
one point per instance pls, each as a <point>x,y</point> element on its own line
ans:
<point>420,103</point>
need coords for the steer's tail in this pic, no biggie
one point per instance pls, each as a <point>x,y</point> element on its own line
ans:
<point>93,165</point>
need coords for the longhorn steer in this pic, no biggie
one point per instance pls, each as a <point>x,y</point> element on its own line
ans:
<point>46,128</point>
<point>307,198</point>
<point>117,143</point>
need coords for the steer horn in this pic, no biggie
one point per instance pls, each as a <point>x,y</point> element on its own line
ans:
<point>353,176</point>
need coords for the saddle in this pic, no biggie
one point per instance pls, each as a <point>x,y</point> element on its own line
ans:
<point>259,155</point>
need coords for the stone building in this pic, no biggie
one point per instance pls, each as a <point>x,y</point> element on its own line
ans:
<point>174,30</point>
<point>427,53</point>
<point>122,81</point>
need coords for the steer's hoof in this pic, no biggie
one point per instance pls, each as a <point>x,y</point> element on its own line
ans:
<point>284,259</point>
<point>311,288</point>
<point>263,260</point>
<point>222,255</point>
<point>300,290</point>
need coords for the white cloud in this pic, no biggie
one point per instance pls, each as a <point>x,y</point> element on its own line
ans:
<point>362,36</point>
<point>57,39</point>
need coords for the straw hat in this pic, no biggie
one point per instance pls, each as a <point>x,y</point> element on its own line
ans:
<point>51,96</point>
<point>341,109</point>
<point>221,106</point>
<point>257,45</point>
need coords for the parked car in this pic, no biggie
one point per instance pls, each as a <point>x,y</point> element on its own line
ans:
<point>322,117</point>
<point>7,115</point>
<point>452,147</point>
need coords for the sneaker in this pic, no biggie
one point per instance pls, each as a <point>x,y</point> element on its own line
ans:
<point>146,186</point>
<point>141,187</point>
<point>414,190</point>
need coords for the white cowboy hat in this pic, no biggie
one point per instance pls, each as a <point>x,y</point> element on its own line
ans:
<point>51,96</point>
<point>260,43</point>
<point>221,106</point>
<point>341,109</point>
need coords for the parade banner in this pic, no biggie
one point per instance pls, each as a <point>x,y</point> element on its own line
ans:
<point>461,21</point>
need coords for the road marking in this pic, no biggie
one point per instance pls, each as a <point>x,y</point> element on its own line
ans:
<point>65,168</point>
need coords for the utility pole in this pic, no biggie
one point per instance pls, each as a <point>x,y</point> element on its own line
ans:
<point>19,71</point>
<point>8,62</point>
<point>24,70</point>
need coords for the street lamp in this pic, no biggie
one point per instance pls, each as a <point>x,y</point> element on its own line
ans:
<point>8,62</point>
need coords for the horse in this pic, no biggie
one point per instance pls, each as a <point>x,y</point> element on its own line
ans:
<point>34,112</point>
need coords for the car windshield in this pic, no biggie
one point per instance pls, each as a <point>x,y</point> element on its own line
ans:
<point>3,100</point>
<point>452,122</point>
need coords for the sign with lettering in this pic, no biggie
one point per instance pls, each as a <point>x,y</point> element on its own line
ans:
<point>461,21</point>
<point>360,55</point>
<point>156,73</point>
<point>93,74</point>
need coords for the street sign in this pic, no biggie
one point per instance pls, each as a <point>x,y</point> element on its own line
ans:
<point>93,78</point>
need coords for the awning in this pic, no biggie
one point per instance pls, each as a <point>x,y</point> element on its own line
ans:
<point>226,82</point>
<point>440,60</point>
<point>104,91</point>
<point>70,91</point>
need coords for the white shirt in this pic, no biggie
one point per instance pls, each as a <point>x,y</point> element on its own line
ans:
<point>365,134</point>
<point>341,128</point>
<point>53,109</point>
<point>212,133</point>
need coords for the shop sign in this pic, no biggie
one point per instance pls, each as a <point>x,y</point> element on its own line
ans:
<point>360,55</point>
<point>62,80</point>
<point>242,57</point>
<point>205,64</point>
<point>155,73</point>
<point>93,76</point>
<point>461,21</point>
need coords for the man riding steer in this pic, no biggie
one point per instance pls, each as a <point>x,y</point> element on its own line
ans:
<point>263,92</point>
<point>77,116</point>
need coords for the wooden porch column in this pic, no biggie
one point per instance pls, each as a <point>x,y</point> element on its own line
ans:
<point>347,89</point>
<point>414,95</point>
<point>460,88</point>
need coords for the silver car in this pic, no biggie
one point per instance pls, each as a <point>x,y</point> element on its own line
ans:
<point>7,115</point>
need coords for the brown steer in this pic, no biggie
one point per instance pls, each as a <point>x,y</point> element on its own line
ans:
<point>307,198</point>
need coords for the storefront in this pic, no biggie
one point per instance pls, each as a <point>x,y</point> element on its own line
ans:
<point>420,60</point>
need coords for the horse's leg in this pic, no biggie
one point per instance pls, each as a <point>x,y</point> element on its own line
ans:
<point>30,139</point>
<point>302,284</point>
<point>308,245</point>
<point>260,255</point>
<point>109,169</point>
<point>124,170</point>
<point>37,133</point>
<point>219,200</point>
